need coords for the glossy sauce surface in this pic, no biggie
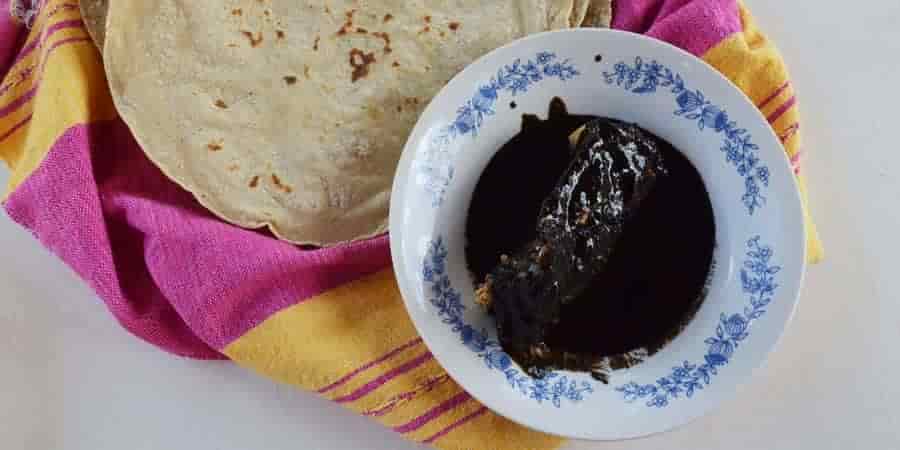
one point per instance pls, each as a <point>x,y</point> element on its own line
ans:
<point>654,280</point>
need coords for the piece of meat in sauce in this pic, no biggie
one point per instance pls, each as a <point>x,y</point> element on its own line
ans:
<point>614,166</point>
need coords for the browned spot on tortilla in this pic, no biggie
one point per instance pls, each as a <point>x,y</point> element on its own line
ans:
<point>277,182</point>
<point>395,64</point>
<point>349,15</point>
<point>214,146</point>
<point>454,26</point>
<point>290,79</point>
<point>425,30</point>
<point>306,71</point>
<point>254,38</point>
<point>442,33</point>
<point>361,30</point>
<point>267,12</point>
<point>254,182</point>
<point>221,104</point>
<point>388,18</point>
<point>399,108</point>
<point>427,19</point>
<point>348,24</point>
<point>387,40</point>
<point>237,12</point>
<point>316,43</point>
<point>280,34</point>
<point>360,62</point>
<point>327,9</point>
<point>233,167</point>
<point>231,44</point>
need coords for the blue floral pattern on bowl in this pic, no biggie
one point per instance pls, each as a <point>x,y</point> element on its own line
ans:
<point>436,172</point>
<point>757,279</point>
<point>553,387</point>
<point>435,168</point>
<point>738,146</point>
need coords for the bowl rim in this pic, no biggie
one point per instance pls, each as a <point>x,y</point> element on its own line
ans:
<point>402,178</point>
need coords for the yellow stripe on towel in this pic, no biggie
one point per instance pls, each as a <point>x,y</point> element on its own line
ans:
<point>66,97</point>
<point>362,330</point>
<point>752,62</point>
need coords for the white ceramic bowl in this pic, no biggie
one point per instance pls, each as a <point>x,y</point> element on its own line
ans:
<point>759,258</point>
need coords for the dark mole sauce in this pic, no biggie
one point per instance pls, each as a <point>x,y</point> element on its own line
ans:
<point>655,279</point>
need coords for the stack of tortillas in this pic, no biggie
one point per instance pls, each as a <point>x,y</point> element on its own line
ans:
<point>292,114</point>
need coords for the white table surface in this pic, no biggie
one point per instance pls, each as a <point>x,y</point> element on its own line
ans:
<point>70,378</point>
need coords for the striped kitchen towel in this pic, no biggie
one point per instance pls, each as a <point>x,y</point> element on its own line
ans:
<point>330,320</point>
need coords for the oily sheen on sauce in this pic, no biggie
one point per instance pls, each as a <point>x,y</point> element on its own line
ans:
<point>652,284</point>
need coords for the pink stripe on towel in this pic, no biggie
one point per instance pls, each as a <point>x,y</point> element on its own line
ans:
<point>694,25</point>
